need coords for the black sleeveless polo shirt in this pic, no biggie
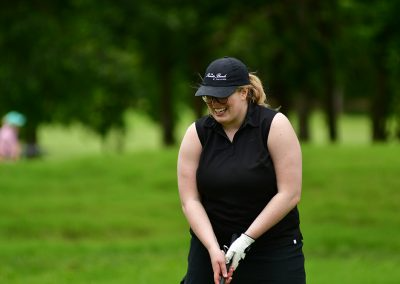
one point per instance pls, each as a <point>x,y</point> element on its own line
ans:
<point>237,179</point>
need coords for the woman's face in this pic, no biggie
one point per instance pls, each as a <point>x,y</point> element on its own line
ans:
<point>230,111</point>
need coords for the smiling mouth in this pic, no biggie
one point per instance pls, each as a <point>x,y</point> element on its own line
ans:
<point>219,110</point>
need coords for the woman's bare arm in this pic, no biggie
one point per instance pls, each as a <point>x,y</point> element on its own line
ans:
<point>285,151</point>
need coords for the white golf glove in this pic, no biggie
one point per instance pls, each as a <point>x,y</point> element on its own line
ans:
<point>238,249</point>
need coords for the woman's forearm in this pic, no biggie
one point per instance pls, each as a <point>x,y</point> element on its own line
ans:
<point>279,206</point>
<point>200,224</point>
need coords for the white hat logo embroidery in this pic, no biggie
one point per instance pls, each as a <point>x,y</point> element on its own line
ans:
<point>218,76</point>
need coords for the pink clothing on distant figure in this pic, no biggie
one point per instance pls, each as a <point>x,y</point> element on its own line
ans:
<point>9,144</point>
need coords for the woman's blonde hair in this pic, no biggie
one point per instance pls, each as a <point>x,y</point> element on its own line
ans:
<point>256,92</point>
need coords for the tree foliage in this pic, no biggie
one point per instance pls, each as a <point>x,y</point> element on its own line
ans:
<point>90,61</point>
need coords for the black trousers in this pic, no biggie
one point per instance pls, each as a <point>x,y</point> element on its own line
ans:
<point>277,264</point>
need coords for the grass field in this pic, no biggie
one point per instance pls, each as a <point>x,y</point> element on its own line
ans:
<point>107,218</point>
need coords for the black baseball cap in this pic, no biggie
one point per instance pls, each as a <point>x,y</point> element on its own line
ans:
<point>222,77</point>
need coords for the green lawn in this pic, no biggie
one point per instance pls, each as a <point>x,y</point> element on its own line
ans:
<point>99,219</point>
<point>79,216</point>
<point>350,203</point>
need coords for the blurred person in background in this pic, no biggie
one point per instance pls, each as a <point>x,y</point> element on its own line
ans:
<point>10,147</point>
<point>240,173</point>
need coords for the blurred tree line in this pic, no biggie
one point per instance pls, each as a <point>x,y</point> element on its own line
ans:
<point>91,60</point>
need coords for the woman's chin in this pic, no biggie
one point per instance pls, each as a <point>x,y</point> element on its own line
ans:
<point>220,118</point>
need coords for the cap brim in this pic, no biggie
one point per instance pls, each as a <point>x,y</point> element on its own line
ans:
<point>218,92</point>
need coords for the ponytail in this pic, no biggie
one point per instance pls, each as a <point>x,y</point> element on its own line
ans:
<point>256,92</point>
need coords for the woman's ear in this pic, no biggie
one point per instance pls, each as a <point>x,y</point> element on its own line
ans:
<point>244,92</point>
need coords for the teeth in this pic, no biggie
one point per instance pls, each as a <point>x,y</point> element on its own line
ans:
<point>219,110</point>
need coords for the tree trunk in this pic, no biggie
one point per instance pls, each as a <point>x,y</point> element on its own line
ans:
<point>331,102</point>
<point>379,107</point>
<point>304,118</point>
<point>167,120</point>
<point>284,103</point>
<point>196,65</point>
<point>305,95</point>
<point>279,90</point>
<point>328,30</point>
<point>32,149</point>
<point>398,131</point>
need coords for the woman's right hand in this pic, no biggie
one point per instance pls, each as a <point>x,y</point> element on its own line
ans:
<point>217,257</point>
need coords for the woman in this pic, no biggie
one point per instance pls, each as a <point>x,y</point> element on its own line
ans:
<point>239,173</point>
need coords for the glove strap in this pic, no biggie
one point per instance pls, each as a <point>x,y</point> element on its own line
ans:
<point>249,237</point>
